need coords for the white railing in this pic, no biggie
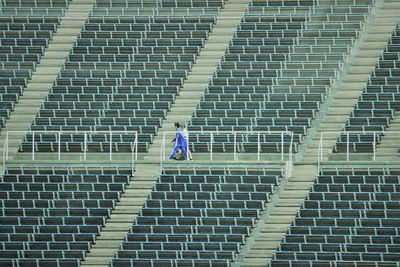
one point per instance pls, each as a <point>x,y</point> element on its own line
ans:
<point>289,163</point>
<point>58,134</point>
<point>324,136</point>
<point>169,135</point>
<point>162,152</point>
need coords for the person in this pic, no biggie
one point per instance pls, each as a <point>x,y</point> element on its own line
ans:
<point>186,136</point>
<point>180,146</point>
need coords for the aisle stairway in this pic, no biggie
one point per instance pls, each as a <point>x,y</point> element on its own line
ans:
<point>280,212</point>
<point>389,148</point>
<point>339,105</point>
<point>147,171</point>
<point>201,73</point>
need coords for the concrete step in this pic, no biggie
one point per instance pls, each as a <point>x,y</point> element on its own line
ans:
<point>73,23</point>
<point>59,47</point>
<point>370,53</point>
<point>261,253</point>
<point>355,78</point>
<point>38,86</point>
<point>255,262</point>
<point>284,211</point>
<point>80,7</point>
<point>379,29</point>
<point>349,86</point>
<point>385,19</point>
<point>293,194</point>
<point>191,86</point>
<point>121,218</point>
<point>375,38</point>
<point>202,70</point>
<point>67,31</point>
<point>63,39</point>
<point>103,252</point>
<point>289,202</point>
<point>48,62</point>
<point>341,110</point>
<point>191,94</point>
<point>35,95</point>
<point>43,78</point>
<point>373,46</point>
<point>365,61</point>
<point>342,102</point>
<point>133,208</point>
<point>30,103</point>
<point>303,186</point>
<point>335,118</point>
<point>361,70</point>
<point>331,127</point>
<point>45,70</point>
<point>56,55</point>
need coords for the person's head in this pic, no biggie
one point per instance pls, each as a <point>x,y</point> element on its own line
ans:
<point>176,124</point>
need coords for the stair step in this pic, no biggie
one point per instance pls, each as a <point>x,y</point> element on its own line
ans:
<point>284,211</point>
<point>59,47</point>
<point>43,78</point>
<point>63,39</point>
<point>365,62</point>
<point>35,94</point>
<point>56,55</point>
<point>97,261</point>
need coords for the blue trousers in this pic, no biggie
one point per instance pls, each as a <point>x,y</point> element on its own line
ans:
<point>176,149</point>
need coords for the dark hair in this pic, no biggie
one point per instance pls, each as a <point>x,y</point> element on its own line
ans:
<point>177,124</point>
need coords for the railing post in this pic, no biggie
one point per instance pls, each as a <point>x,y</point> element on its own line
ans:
<point>322,146</point>
<point>132,156</point>
<point>211,146</point>
<point>374,147</point>
<point>33,145</point>
<point>347,147</point>
<point>163,146</point>
<point>5,155</point>
<point>161,151</point>
<point>187,144</point>
<point>319,152</point>
<point>291,154</point>
<point>136,144</point>
<point>84,145</point>
<point>282,146</point>
<point>234,146</point>
<point>59,145</point>
<point>7,138</point>
<point>110,145</point>
<point>258,146</point>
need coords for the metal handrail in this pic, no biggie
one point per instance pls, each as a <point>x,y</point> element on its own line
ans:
<point>162,152</point>
<point>234,133</point>
<point>134,144</point>
<point>5,153</point>
<point>321,148</point>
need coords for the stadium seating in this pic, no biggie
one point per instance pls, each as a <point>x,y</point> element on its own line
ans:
<point>26,27</point>
<point>350,218</point>
<point>51,216</point>
<point>377,105</point>
<point>124,72</point>
<point>277,71</point>
<point>197,216</point>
